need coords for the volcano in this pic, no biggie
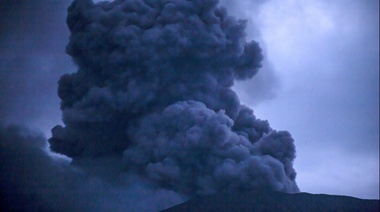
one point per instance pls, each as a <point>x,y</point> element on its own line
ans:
<point>275,201</point>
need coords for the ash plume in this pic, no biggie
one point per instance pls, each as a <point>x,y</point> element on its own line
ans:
<point>153,92</point>
<point>32,179</point>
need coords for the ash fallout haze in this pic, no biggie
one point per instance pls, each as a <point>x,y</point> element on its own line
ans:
<point>147,113</point>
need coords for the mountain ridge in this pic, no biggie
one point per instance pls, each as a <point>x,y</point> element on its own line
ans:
<point>275,201</point>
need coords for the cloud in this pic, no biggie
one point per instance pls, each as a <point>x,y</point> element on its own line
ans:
<point>329,75</point>
<point>266,83</point>
<point>145,69</point>
<point>32,39</point>
<point>149,117</point>
<point>192,149</point>
<point>34,180</point>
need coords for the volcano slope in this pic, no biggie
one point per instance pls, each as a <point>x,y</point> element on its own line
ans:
<point>275,201</point>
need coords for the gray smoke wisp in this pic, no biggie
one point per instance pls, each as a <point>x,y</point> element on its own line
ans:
<point>153,91</point>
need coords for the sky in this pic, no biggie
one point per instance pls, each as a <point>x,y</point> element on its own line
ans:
<point>319,81</point>
<point>326,57</point>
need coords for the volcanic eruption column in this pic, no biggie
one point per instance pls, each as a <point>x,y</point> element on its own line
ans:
<point>153,89</point>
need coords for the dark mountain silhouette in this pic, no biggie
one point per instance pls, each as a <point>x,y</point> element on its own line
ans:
<point>275,201</point>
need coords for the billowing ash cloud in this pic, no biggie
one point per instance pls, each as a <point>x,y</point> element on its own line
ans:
<point>153,90</point>
<point>34,180</point>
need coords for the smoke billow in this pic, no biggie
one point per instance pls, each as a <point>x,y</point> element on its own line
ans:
<point>34,180</point>
<point>150,118</point>
<point>153,90</point>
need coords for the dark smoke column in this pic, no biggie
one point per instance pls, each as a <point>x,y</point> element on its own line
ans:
<point>153,88</point>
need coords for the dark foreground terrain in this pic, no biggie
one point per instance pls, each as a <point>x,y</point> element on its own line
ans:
<point>275,201</point>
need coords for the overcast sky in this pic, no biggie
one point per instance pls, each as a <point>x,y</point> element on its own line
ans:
<point>320,80</point>
<point>326,57</point>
